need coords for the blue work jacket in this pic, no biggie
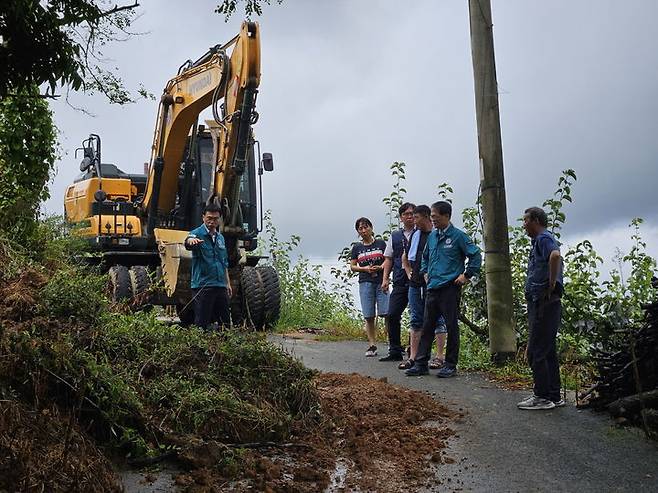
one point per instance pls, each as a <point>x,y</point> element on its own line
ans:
<point>209,260</point>
<point>445,254</point>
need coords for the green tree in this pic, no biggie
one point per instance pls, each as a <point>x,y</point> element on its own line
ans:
<point>27,157</point>
<point>60,42</point>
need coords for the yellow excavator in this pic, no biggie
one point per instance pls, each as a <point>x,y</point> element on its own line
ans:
<point>138,222</point>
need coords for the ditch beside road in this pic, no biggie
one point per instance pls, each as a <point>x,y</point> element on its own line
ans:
<point>496,446</point>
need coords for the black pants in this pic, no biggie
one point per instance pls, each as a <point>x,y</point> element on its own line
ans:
<point>544,320</point>
<point>440,301</point>
<point>211,305</point>
<point>397,302</point>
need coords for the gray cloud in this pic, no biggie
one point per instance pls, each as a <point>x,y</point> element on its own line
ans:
<point>350,87</point>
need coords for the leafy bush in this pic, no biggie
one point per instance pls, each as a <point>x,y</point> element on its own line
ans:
<point>306,299</point>
<point>75,293</point>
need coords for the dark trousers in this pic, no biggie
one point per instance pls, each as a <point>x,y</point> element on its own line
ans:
<point>397,302</point>
<point>440,301</point>
<point>211,305</point>
<point>544,320</point>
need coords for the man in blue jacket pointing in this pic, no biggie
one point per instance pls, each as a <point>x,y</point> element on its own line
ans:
<point>445,271</point>
<point>210,279</point>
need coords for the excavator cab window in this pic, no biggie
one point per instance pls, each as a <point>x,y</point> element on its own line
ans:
<point>206,168</point>
<point>248,194</point>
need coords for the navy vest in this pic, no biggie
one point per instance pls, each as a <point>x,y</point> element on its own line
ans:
<point>400,245</point>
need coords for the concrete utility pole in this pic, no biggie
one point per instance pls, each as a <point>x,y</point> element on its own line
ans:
<point>502,335</point>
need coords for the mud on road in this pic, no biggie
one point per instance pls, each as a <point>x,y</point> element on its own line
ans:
<point>363,443</point>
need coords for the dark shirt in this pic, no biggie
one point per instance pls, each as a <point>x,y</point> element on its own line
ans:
<point>417,280</point>
<point>366,255</point>
<point>536,283</point>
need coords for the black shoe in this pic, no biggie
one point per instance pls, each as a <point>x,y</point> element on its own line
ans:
<point>392,357</point>
<point>447,372</point>
<point>417,371</point>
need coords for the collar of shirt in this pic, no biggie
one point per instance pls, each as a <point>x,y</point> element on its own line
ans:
<point>212,235</point>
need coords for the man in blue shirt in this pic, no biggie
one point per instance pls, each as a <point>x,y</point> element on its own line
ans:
<point>396,245</point>
<point>543,290</point>
<point>210,279</point>
<point>445,271</point>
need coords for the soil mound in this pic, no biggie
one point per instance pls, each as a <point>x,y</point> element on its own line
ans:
<point>373,436</point>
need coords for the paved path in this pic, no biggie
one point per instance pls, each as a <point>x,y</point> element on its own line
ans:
<point>499,448</point>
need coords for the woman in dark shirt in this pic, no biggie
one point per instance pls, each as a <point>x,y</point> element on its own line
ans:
<point>367,259</point>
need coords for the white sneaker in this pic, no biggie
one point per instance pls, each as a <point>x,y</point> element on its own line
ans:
<point>527,400</point>
<point>536,404</point>
<point>372,351</point>
<point>560,403</point>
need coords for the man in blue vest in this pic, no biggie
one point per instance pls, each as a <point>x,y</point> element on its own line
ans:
<point>397,244</point>
<point>210,279</point>
<point>445,271</point>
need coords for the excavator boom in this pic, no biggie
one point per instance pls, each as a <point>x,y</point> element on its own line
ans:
<point>204,83</point>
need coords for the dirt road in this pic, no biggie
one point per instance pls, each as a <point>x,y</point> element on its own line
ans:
<point>499,448</point>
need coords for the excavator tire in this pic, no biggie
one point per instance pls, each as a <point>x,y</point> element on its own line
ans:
<point>139,279</point>
<point>140,283</point>
<point>272,294</point>
<point>236,302</point>
<point>254,298</point>
<point>119,284</point>
<point>185,314</point>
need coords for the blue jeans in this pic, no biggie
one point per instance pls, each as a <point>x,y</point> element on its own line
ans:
<point>371,294</point>
<point>417,310</point>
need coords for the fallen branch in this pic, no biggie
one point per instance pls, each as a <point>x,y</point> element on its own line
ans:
<point>268,445</point>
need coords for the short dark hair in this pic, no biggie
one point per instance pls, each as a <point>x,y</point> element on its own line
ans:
<point>212,208</point>
<point>442,207</point>
<point>363,220</point>
<point>422,210</point>
<point>404,207</point>
<point>537,214</point>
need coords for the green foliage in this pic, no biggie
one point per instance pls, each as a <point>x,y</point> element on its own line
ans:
<point>27,158</point>
<point>554,205</point>
<point>75,293</point>
<point>229,7</point>
<point>395,199</point>
<point>445,191</point>
<point>306,299</point>
<point>137,379</point>
<point>60,42</point>
<point>212,384</point>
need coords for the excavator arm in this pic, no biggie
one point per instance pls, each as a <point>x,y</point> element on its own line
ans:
<point>199,85</point>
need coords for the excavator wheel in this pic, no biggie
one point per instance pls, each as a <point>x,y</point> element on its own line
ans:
<point>139,279</point>
<point>235,303</point>
<point>254,297</point>
<point>140,283</point>
<point>119,284</point>
<point>272,294</point>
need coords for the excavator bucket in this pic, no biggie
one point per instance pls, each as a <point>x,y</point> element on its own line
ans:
<point>176,263</point>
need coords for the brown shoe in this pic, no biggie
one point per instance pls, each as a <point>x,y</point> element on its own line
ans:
<point>436,364</point>
<point>405,365</point>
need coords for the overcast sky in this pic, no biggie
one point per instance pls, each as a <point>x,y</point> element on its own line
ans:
<point>348,87</point>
